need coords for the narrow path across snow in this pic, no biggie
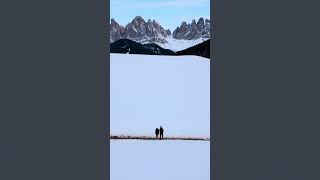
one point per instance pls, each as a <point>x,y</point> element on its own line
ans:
<point>114,137</point>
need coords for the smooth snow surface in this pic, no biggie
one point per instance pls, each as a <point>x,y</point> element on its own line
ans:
<point>148,91</point>
<point>159,160</point>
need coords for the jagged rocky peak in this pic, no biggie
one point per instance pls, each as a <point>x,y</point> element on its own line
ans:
<point>193,23</point>
<point>183,27</point>
<point>194,30</point>
<point>168,32</point>
<point>115,26</point>
<point>143,31</point>
<point>183,24</point>
<point>113,21</point>
<point>138,21</point>
<point>116,31</point>
<point>200,23</point>
<point>151,31</point>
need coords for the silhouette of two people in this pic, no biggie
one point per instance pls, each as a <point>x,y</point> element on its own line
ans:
<point>157,131</point>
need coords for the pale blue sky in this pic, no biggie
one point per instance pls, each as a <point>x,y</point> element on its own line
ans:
<point>169,13</point>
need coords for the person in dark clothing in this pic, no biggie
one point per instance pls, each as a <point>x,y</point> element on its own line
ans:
<point>157,132</point>
<point>161,132</point>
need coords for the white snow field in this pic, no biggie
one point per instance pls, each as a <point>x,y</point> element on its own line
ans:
<point>159,160</point>
<point>147,91</point>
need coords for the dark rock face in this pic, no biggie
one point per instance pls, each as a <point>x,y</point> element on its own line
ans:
<point>116,31</point>
<point>168,32</point>
<point>139,30</point>
<point>200,23</point>
<point>195,30</point>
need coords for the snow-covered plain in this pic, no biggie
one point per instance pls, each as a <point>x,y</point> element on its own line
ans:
<point>148,91</point>
<point>159,160</point>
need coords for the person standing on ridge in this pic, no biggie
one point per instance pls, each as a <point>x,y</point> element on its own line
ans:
<point>161,132</point>
<point>157,132</point>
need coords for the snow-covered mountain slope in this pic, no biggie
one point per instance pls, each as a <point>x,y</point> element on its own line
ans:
<point>147,91</point>
<point>180,44</point>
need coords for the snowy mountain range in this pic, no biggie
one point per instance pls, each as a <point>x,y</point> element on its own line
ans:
<point>145,32</point>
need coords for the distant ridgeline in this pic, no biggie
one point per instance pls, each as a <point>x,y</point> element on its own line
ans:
<point>127,46</point>
<point>150,31</point>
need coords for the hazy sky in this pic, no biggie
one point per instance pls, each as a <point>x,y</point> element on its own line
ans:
<point>169,13</point>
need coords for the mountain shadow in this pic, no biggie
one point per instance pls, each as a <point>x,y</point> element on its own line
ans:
<point>132,47</point>
<point>202,49</point>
